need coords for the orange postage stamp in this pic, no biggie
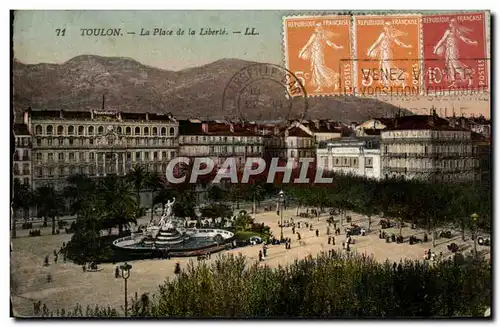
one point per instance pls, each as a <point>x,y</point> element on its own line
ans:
<point>318,52</point>
<point>388,53</point>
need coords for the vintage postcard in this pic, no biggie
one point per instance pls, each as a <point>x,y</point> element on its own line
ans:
<point>251,164</point>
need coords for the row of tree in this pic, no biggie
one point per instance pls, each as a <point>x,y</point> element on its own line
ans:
<point>328,286</point>
<point>428,205</point>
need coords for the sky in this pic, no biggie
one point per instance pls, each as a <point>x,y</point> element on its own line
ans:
<point>35,38</point>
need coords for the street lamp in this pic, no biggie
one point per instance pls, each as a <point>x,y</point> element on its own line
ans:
<point>281,200</point>
<point>474,217</point>
<point>125,269</point>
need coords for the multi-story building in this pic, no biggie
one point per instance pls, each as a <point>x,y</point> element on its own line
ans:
<point>219,140</point>
<point>22,155</point>
<point>427,147</point>
<point>351,155</point>
<point>98,143</point>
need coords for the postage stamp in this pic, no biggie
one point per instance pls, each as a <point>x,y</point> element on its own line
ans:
<point>315,47</point>
<point>455,52</point>
<point>387,53</point>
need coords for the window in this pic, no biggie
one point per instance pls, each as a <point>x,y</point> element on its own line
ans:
<point>51,171</point>
<point>81,130</point>
<point>172,131</point>
<point>91,155</point>
<point>38,130</point>
<point>39,141</point>
<point>91,141</point>
<point>71,130</point>
<point>292,154</point>
<point>60,130</point>
<point>164,155</point>
<point>50,157</point>
<point>91,130</point>
<point>137,131</point>
<point>155,155</point>
<point>172,154</point>
<point>70,141</point>
<point>128,131</point>
<point>369,163</point>
<point>163,131</point>
<point>146,131</point>
<point>50,130</point>
<point>146,155</point>
<point>137,156</point>
<point>39,157</point>
<point>71,156</point>
<point>61,157</point>
<point>100,130</point>
<point>49,141</point>
<point>39,172</point>
<point>354,162</point>
<point>82,156</point>
<point>26,181</point>
<point>155,131</point>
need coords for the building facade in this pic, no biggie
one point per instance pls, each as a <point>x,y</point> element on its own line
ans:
<point>219,140</point>
<point>426,147</point>
<point>98,143</point>
<point>22,155</point>
<point>359,156</point>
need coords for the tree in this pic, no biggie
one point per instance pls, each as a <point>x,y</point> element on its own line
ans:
<point>153,183</point>
<point>184,204</point>
<point>215,193</point>
<point>120,209</point>
<point>255,193</point>
<point>78,188</point>
<point>49,204</point>
<point>243,220</point>
<point>137,179</point>
<point>21,199</point>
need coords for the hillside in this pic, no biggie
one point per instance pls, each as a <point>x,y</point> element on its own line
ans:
<point>128,85</point>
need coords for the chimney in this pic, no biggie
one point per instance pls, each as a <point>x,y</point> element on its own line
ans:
<point>61,114</point>
<point>91,114</point>
<point>147,116</point>
<point>27,119</point>
<point>204,127</point>
<point>103,99</point>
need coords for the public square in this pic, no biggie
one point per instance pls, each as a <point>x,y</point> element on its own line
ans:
<point>70,285</point>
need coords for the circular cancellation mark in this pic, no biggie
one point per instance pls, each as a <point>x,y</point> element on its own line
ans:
<point>264,92</point>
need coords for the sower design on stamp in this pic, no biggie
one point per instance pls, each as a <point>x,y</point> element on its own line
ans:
<point>455,52</point>
<point>314,49</point>
<point>387,54</point>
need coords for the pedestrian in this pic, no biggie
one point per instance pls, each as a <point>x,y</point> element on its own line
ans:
<point>177,269</point>
<point>260,255</point>
<point>343,245</point>
<point>335,226</point>
<point>49,278</point>
<point>298,236</point>
<point>55,259</point>
<point>293,230</point>
<point>317,233</point>
<point>329,240</point>
<point>117,272</point>
<point>348,247</point>
<point>328,231</point>
<point>264,252</point>
<point>333,240</point>
<point>46,261</point>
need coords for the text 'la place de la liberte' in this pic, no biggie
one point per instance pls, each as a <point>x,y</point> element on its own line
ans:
<point>204,31</point>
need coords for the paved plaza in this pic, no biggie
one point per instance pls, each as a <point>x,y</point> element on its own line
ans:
<point>71,286</point>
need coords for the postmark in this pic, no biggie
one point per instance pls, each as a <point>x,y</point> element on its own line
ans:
<point>314,47</point>
<point>265,92</point>
<point>455,52</point>
<point>387,53</point>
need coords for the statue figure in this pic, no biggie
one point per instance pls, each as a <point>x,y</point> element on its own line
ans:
<point>168,207</point>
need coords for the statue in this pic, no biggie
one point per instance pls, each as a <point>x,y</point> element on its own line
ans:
<point>168,207</point>
<point>167,213</point>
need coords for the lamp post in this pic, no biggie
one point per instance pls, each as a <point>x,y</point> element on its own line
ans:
<point>281,200</point>
<point>125,269</point>
<point>474,217</point>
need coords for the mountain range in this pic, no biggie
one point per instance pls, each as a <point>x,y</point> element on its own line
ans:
<point>82,82</point>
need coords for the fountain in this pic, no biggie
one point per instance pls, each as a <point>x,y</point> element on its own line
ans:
<point>169,234</point>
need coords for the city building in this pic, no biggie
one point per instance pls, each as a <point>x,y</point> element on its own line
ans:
<point>98,143</point>
<point>219,140</point>
<point>357,155</point>
<point>22,154</point>
<point>427,147</point>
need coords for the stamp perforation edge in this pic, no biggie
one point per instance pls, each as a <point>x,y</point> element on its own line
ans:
<point>423,92</point>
